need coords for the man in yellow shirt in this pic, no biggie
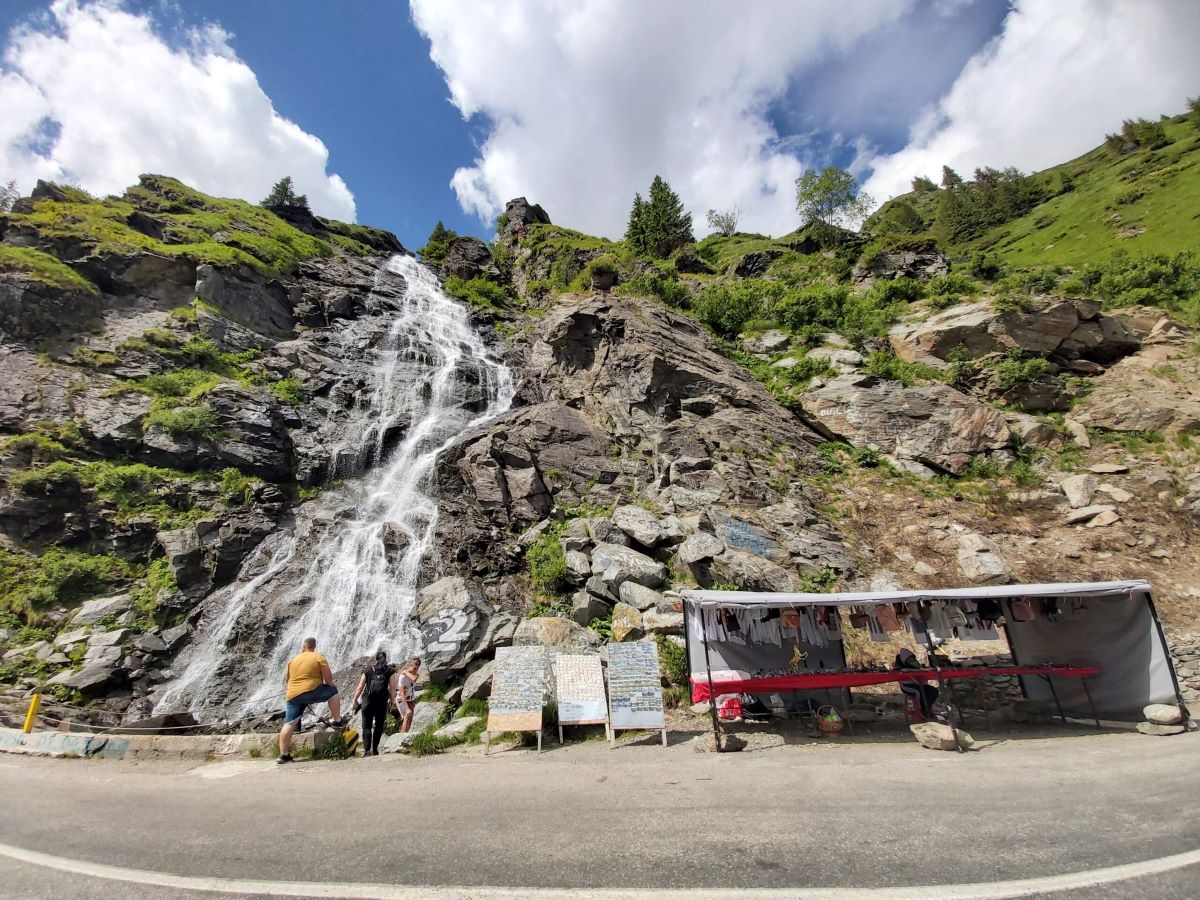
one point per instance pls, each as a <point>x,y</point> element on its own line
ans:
<point>308,680</point>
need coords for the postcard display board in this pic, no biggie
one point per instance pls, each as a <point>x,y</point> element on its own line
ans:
<point>635,688</point>
<point>518,686</point>
<point>579,690</point>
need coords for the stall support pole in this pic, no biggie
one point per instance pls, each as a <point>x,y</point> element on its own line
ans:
<point>712,695</point>
<point>1162,639</point>
<point>937,670</point>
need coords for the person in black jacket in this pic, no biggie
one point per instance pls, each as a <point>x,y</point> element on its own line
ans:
<point>376,692</point>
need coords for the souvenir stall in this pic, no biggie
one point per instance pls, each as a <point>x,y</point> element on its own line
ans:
<point>1094,650</point>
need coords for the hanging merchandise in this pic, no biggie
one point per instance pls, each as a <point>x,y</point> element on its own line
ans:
<point>858,618</point>
<point>1021,609</point>
<point>1050,608</point>
<point>790,618</point>
<point>876,630</point>
<point>832,628</point>
<point>887,618</point>
<point>958,618</point>
<point>989,610</point>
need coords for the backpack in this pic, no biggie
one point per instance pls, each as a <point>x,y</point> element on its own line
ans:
<point>377,685</point>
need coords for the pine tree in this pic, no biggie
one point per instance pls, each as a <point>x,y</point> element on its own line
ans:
<point>658,226</point>
<point>9,194</point>
<point>950,178</point>
<point>438,245</point>
<point>283,195</point>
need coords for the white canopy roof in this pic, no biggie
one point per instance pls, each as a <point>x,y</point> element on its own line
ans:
<point>1113,590</point>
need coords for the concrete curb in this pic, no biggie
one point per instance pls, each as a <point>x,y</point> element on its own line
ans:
<point>84,745</point>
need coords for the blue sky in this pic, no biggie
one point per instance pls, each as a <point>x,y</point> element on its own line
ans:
<point>440,110</point>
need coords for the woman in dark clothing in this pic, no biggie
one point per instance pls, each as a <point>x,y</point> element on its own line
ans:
<point>376,691</point>
<point>925,693</point>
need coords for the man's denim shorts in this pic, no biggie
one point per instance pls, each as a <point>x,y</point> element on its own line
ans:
<point>296,706</point>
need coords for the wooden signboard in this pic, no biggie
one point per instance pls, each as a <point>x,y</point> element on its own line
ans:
<point>635,688</point>
<point>579,691</point>
<point>518,686</point>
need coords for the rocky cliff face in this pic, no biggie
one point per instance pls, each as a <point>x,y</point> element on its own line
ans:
<point>171,413</point>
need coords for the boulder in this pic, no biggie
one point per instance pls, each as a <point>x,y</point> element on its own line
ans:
<point>655,621</point>
<point>478,683</point>
<point>699,547</point>
<point>185,555</point>
<point>919,263</point>
<point>67,638</point>
<point>1109,468</point>
<point>1086,513</point>
<point>980,560</point>
<point>114,638</point>
<point>586,606</point>
<point>755,263</point>
<point>1108,517</point>
<point>467,258</point>
<point>248,297</point>
<point>94,611</point>
<point>578,563</point>
<point>1160,730</point>
<point>749,572</point>
<point>1079,489</point>
<point>425,714</point>
<point>687,262</point>
<point>638,596</point>
<point>934,425</point>
<point>936,736</point>
<point>616,565</point>
<point>93,678</point>
<point>626,623</point>
<point>455,621</point>
<point>554,631</point>
<point>519,214</point>
<point>768,343</point>
<point>1162,714</point>
<point>842,360</point>
<point>639,523</point>
<point>457,727</point>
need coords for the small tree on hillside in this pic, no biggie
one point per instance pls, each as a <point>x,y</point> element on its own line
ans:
<point>658,226</point>
<point>950,178</point>
<point>284,195</point>
<point>1193,106</point>
<point>438,245</point>
<point>9,195</point>
<point>830,198</point>
<point>923,185</point>
<point>726,221</point>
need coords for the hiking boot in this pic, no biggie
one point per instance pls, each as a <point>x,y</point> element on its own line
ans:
<point>338,723</point>
<point>284,758</point>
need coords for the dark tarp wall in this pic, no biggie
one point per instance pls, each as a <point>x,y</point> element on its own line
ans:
<point>1117,635</point>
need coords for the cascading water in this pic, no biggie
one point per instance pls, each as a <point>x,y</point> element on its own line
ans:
<point>354,584</point>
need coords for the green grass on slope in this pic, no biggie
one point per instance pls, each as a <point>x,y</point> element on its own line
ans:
<point>1143,202</point>
<point>196,226</point>
<point>39,266</point>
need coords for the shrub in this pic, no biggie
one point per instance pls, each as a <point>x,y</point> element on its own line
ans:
<point>473,707</point>
<point>1172,282</point>
<point>1014,370</point>
<point>985,266</point>
<point>547,564</point>
<point>667,288</point>
<point>32,447</point>
<point>287,391</point>
<point>602,627</point>
<point>236,486</point>
<point>477,292</point>
<point>951,285</point>
<point>982,469</point>
<point>897,290</point>
<point>726,307</point>
<point>57,576</point>
<point>883,364</point>
<point>427,743</point>
<point>1138,134</point>
<point>47,479</point>
<point>819,305</point>
<point>805,370</point>
<point>818,581</point>
<point>438,244</point>
<point>183,421</point>
<point>672,660</point>
<point>178,383</point>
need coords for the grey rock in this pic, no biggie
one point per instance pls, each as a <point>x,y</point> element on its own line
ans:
<point>1079,489</point>
<point>67,638</point>
<point>616,564</point>
<point>933,425</point>
<point>1162,714</point>
<point>150,643</point>
<point>586,606</point>
<point>657,622</point>
<point>554,631</point>
<point>936,736</point>
<point>639,523</point>
<point>749,572</point>
<point>114,638</point>
<point>478,683</point>
<point>93,611</point>
<point>980,560</point>
<point>638,596</point>
<point>1083,514</point>
<point>768,343</point>
<point>92,679</point>
<point>454,618</point>
<point>920,264</point>
<point>1109,468</point>
<point>1160,730</point>
<point>457,727</point>
<point>578,563</point>
<point>699,547</point>
<point>468,258</point>
<point>425,715</point>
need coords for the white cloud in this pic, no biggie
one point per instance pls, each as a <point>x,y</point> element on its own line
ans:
<point>1060,76</point>
<point>125,101</point>
<point>587,101</point>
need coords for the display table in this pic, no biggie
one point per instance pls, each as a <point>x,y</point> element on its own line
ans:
<point>818,681</point>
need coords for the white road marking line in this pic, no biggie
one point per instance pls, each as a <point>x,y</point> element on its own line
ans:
<point>995,890</point>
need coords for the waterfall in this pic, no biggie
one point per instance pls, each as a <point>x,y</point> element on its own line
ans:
<point>354,583</point>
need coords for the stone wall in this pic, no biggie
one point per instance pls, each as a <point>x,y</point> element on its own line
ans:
<point>1185,654</point>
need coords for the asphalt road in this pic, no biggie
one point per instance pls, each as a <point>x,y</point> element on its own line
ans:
<point>802,815</point>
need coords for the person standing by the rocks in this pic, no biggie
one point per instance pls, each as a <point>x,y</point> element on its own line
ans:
<point>376,691</point>
<point>308,681</point>
<point>406,702</point>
